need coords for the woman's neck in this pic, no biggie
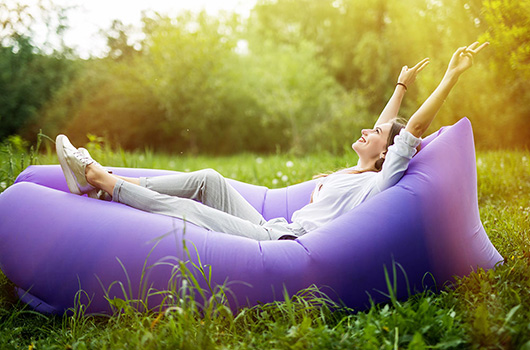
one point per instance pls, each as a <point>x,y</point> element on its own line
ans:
<point>363,166</point>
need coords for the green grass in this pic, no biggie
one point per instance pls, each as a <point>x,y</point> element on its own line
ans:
<point>485,310</point>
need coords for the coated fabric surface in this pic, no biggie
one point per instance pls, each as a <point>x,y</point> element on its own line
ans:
<point>54,243</point>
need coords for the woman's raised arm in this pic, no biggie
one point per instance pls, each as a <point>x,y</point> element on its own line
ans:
<point>405,80</point>
<point>461,61</point>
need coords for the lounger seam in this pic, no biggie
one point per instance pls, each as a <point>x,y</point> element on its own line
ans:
<point>303,246</point>
<point>263,204</point>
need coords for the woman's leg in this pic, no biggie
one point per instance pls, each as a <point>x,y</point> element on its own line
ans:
<point>83,175</point>
<point>183,208</point>
<point>133,180</point>
<point>100,178</point>
<point>208,187</point>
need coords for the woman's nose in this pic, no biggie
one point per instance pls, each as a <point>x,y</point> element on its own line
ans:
<point>366,131</point>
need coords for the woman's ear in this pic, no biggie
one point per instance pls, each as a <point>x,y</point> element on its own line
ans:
<point>382,155</point>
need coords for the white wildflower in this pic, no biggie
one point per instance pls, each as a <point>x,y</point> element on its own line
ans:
<point>177,309</point>
<point>279,174</point>
<point>289,164</point>
<point>285,178</point>
<point>275,181</point>
<point>259,160</point>
<point>3,184</point>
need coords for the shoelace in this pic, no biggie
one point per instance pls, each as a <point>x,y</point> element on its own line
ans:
<point>83,158</point>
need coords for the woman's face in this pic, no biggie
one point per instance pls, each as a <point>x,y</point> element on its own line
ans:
<point>372,143</point>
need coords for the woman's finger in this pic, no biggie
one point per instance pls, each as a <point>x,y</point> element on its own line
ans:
<point>459,51</point>
<point>480,48</point>
<point>425,64</point>
<point>472,46</point>
<point>420,63</point>
<point>470,56</point>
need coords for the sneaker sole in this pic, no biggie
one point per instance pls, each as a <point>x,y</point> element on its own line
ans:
<point>70,179</point>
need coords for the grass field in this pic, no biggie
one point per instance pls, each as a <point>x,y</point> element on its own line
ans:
<point>486,310</point>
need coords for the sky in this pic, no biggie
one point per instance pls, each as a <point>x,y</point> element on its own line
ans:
<point>90,16</point>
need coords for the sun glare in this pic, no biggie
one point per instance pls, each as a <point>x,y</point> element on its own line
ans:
<point>86,19</point>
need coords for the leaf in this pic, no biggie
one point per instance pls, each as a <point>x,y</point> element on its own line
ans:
<point>118,303</point>
<point>416,342</point>
<point>481,323</point>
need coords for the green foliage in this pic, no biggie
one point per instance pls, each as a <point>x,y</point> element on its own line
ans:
<point>297,75</point>
<point>190,91</point>
<point>314,107</point>
<point>365,44</point>
<point>29,75</point>
<point>119,43</point>
<point>27,81</point>
<point>15,156</point>
<point>20,19</point>
<point>508,30</point>
<point>106,99</point>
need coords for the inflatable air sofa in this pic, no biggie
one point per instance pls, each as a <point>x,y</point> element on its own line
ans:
<point>54,243</point>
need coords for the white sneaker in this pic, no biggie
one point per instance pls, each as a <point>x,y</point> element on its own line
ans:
<point>73,162</point>
<point>95,193</point>
<point>86,154</point>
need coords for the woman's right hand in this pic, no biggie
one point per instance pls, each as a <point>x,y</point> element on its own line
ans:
<point>408,75</point>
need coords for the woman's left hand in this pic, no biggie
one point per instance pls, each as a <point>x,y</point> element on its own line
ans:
<point>462,59</point>
<point>408,75</point>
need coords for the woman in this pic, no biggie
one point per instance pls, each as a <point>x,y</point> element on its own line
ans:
<point>384,154</point>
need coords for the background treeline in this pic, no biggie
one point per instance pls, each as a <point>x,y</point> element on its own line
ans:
<point>297,75</point>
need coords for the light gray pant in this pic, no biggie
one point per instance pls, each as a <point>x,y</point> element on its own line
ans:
<point>221,207</point>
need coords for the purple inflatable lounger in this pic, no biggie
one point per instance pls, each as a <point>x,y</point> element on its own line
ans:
<point>54,243</point>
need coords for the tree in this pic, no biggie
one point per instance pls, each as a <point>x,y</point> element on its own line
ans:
<point>119,43</point>
<point>509,31</point>
<point>27,80</point>
<point>28,76</point>
<point>315,72</point>
<point>19,20</point>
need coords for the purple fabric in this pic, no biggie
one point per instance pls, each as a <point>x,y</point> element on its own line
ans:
<point>55,243</point>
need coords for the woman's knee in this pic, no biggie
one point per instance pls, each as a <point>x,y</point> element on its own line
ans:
<point>211,176</point>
